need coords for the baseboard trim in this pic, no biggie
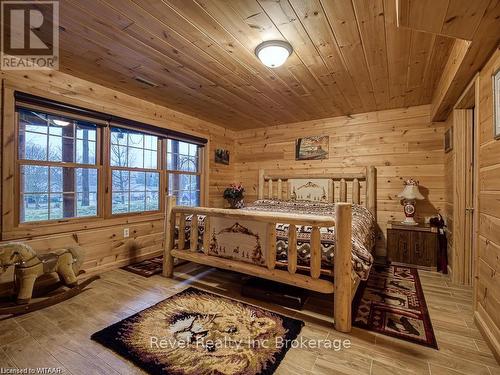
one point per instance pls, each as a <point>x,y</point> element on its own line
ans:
<point>489,330</point>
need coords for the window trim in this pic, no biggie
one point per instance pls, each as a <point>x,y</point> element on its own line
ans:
<point>12,229</point>
<point>18,163</point>
<point>110,169</point>
<point>200,172</point>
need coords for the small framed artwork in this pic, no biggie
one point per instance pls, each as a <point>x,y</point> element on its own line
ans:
<point>222,156</point>
<point>448,140</point>
<point>311,148</point>
<point>496,104</point>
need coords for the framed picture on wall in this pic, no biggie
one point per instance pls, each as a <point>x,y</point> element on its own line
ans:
<point>496,104</point>
<point>311,148</point>
<point>222,156</point>
<point>448,140</point>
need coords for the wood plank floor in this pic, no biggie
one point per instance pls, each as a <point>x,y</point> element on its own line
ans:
<point>59,336</point>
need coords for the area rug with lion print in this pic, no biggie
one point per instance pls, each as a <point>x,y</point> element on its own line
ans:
<point>196,332</point>
<point>391,302</point>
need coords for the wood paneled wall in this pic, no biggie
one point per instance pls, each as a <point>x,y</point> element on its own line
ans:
<point>401,143</point>
<point>488,265</point>
<point>449,166</point>
<point>221,175</point>
<point>104,244</point>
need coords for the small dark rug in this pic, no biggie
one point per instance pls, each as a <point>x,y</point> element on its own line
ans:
<point>150,267</point>
<point>146,268</point>
<point>391,302</point>
<point>196,332</point>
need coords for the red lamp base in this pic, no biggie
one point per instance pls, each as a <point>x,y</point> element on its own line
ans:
<point>409,210</point>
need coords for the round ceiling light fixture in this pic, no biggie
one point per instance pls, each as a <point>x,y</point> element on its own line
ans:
<point>273,53</point>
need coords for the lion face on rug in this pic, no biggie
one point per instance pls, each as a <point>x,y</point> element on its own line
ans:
<point>202,335</point>
<point>211,332</point>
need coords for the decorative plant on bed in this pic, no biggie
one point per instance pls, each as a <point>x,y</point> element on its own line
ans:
<point>234,195</point>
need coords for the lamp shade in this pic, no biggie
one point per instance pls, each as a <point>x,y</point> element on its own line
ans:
<point>411,192</point>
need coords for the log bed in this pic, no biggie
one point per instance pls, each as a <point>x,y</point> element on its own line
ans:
<point>343,285</point>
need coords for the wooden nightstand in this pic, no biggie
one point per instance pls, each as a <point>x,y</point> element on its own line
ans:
<point>415,245</point>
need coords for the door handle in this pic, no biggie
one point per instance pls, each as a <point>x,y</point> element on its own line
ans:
<point>469,209</point>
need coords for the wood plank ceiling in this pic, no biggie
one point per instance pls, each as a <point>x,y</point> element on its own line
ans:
<point>475,24</point>
<point>455,18</point>
<point>349,56</point>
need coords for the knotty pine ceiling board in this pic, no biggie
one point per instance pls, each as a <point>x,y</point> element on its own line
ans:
<point>349,56</point>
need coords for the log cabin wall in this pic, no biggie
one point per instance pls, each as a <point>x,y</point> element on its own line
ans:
<point>401,143</point>
<point>487,286</point>
<point>103,242</point>
<point>449,167</point>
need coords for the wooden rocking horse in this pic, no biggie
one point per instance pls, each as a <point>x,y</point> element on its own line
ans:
<point>29,266</point>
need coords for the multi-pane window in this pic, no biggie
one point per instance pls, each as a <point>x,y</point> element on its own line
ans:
<point>184,172</point>
<point>135,176</point>
<point>58,167</point>
<point>62,171</point>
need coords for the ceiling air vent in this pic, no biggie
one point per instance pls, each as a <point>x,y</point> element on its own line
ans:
<point>145,81</point>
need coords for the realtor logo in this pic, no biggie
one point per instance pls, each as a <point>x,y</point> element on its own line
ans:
<point>30,35</point>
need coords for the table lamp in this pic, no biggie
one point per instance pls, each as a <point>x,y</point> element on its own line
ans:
<point>409,197</point>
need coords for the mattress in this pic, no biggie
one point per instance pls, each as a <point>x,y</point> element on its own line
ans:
<point>363,234</point>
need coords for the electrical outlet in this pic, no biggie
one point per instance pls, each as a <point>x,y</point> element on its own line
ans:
<point>126,232</point>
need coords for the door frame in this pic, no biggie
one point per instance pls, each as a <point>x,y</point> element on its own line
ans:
<point>466,203</point>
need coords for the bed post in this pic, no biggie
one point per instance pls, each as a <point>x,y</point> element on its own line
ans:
<point>261,184</point>
<point>371,190</point>
<point>169,233</point>
<point>343,267</point>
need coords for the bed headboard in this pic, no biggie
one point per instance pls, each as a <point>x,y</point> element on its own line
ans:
<point>321,188</point>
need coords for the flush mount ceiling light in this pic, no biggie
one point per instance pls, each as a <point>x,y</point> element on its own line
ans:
<point>61,122</point>
<point>273,53</point>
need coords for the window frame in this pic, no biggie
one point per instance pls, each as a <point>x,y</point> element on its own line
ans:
<point>200,172</point>
<point>10,226</point>
<point>19,163</point>
<point>110,169</point>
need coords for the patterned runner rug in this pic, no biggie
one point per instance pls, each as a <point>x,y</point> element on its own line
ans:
<point>196,332</point>
<point>391,302</point>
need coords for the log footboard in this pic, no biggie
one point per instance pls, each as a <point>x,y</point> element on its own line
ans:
<point>342,285</point>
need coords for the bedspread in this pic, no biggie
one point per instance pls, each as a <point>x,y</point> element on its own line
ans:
<point>363,234</point>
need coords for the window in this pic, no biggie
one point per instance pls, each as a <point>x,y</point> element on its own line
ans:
<point>58,167</point>
<point>72,163</point>
<point>184,172</point>
<point>135,176</point>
